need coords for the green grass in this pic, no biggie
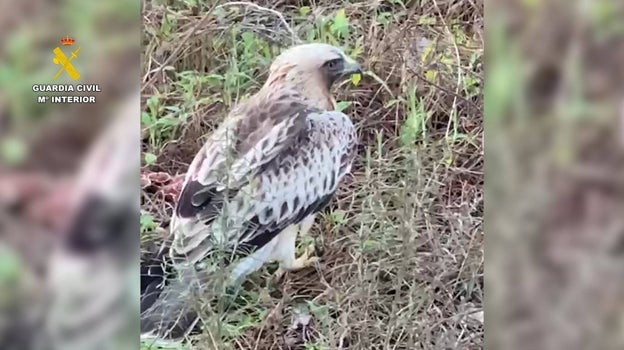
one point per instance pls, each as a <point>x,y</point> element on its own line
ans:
<point>402,243</point>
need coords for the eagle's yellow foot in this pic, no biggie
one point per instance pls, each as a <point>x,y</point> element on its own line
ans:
<point>307,259</point>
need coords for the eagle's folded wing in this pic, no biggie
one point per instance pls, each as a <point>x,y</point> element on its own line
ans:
<point>286,172</point>
<point>302,179</point>
<point>251,137</point>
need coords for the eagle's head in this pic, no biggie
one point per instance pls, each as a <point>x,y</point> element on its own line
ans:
<point>312,69</point>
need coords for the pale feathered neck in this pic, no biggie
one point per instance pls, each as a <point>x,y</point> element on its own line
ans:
<point>311,86</point>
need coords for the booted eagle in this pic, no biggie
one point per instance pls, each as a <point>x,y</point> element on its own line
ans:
<point>275,161</point>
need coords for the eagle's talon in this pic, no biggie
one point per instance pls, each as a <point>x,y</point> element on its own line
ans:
<point>310,251</point>
<point>307,259</point>
<point>311,261</point>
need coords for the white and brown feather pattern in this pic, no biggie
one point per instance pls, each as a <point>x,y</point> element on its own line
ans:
<point>301,179</point>
<point>288,161</point>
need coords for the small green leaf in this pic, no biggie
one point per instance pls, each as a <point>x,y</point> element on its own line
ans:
<point>342,105</point>
<point>355,79</point>
<point>153,105</point>
<point>338,216</point>
<point>248,39</point>
<point>448,61</point>
<point>340,24</point>
<point>147,223</point>
<point>305,10</point>
<point>426,52</point>
<point>430,75</point>
<point>145,119</point>
<point>150,158</point>
<point>384,18</point>
<point>470,81</point>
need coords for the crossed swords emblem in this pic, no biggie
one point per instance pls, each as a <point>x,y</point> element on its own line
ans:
<point>61,59</point>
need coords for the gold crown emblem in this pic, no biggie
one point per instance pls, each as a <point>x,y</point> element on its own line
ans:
<point>67,41</point>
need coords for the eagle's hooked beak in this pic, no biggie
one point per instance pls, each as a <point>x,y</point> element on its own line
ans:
<point>351,66</point>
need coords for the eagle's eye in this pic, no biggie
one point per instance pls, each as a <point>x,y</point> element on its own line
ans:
<point>333,64</point>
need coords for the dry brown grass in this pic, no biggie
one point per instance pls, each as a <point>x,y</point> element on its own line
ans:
<point>402,262</point>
